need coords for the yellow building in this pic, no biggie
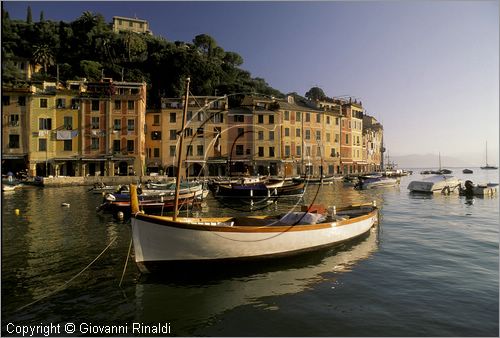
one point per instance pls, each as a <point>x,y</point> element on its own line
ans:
<point>204,150</point>
<point>15,139</point>
<point>121,24</point>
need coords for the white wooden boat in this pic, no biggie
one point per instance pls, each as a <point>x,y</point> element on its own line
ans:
<point>436,183</point>
<point>8,187</point>
<point>194,239</point>
<point>165,239</point>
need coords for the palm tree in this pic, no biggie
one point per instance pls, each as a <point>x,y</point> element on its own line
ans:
<point>42,54</point>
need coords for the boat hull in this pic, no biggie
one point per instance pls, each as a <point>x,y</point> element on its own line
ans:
<point>158,240</point>
<point>435,184</point>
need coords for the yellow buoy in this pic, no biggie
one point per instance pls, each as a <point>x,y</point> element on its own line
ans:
<point>16,212</point>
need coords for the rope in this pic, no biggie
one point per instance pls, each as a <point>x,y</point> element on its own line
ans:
<point>69,281</point>
<point>126,261</point>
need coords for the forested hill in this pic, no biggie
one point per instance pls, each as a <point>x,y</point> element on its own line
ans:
<point>88,48</point>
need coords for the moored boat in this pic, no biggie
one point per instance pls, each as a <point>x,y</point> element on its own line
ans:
<point>485,189</point>
<point>467,171</point>
<point>367,182</point>
<point>436,183</point>
<point>487,166</point>
<point>172,239</point>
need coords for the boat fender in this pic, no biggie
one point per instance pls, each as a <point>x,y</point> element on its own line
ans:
<point>110,197</point>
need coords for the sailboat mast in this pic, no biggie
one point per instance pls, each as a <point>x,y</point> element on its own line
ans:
<point>486,152</point>
<point>179,154</point>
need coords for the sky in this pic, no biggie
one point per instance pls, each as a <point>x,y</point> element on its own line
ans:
<point>428,70</point>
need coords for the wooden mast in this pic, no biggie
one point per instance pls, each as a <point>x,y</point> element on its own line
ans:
<point>179,155</point>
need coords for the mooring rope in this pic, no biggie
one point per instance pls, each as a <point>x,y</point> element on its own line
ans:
<point>69,281</point>
<point>126,261</point>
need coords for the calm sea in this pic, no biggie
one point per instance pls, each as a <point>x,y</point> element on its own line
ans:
<point>430,268</point>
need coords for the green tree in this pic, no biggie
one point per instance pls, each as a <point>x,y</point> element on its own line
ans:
<point>42,54</point>
<point>42,19</point>
<point>315,93</point>
<point>205,43</point>
<point>29,17</point>
<point>91,69</point>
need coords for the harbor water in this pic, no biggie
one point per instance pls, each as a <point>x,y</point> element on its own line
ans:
<point>430,268</point>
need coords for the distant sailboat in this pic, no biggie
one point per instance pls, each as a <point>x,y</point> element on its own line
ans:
<point>487,166</point>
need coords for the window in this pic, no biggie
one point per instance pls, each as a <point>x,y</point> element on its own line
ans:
<point>318,151</point>
<point>44,124</point>
<point>287,131</point>
<point>118,104</point>
<point>241,131</point>
<point>68,145</point>
<point>68,122</point>
<point>297,132</point>
<point>189,151</point>
<point>287,115</point>
<point>349,124</point>
<point>130,105</point>
<point>189,116</point>
<point>239,149</point>
<point>130,145</point>
<point>130,125</point>
<point>141,24</point>
<point>271,119</point>
<point>43,103</point>
<point>261,151</point>
<point>156,135</point>
<point>199,150</point>
<point>95,122</point>
<point>21,101</point>
<point>173,134</point>
<point>336,121</point>
<point>188,132</point>
<point>94,143</point>
<point>308,151</point>
<point>61,103</point>
<point>347,139</point>
<point>308,117</point>
<point>261,135</point>
<point>156,152</point>
<point>173,117</point>
<point>298,150</point>
<point>117,146</point>
<point>42,144</point>
<point>308,134</point>
<point>328,120</point>
<point>95,105</point>
<point>13,141</point>
<point>298,116</point>
<point>218,118</point>
<point>156,120</point>
<point>287,151</point>
<point>271,135</point>
<point>130,24</point>
<point>337,138</point>
<point>14,120</point>
<point>75,104</point>
<point>318,118</point>
<point>333,153</point>
<point>5,100</point>
<point>172,151</point>
<point>260,118</point>
<point>117,125</point>
<point>239,118</point>
<point>318,135</point>
<point>271,151</point>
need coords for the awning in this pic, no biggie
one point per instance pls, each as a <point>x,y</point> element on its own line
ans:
<point>194,161</point>
<point>94,159</point>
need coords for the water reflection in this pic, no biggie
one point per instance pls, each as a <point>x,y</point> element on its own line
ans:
<point>193,301</point>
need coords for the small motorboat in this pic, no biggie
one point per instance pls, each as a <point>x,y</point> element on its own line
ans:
<point>436,183</point>
<point>470,189</point>
<point>367,182</point>
<point>467,171</point>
